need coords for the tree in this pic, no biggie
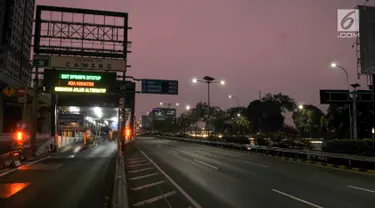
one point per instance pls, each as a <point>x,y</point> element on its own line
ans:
<point>265,115</point>
<point>287,103</point>
<point>337,120</point>
<point>308,120</point>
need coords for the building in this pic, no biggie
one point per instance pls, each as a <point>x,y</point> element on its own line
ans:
<point>16,23</point>
<point>16,27</point>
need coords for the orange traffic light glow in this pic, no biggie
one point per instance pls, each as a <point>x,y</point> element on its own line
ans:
<point>19,136</point>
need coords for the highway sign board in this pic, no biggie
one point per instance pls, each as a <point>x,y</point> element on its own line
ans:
<point>71,62</point>
<point>344,97</point>
<point>71,119</point>
<point>41,61</point>
<point>156,86</point>
<point>9,91</point>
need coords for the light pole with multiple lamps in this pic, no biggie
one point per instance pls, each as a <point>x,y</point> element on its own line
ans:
<point>334,65</point>
<point>168,104</point>
<point>208,80</point>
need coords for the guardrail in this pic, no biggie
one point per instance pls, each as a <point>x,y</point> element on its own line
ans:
<point>120,187</point>
<point>284,152</point>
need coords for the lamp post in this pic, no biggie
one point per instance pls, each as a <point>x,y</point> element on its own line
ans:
<point>168,104</point>
<point>334,65</point>
<point>234,97</point>
<point>355,130</point>
<point>208,80</point>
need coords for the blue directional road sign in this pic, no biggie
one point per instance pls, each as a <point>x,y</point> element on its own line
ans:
<point>157,86</point>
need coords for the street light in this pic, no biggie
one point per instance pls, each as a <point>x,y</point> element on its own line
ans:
<point>188,107</point>
<point>208,80</point>
<point>335,65</point>
<point>300,107</point>
<point>169,104</point>
<point>355,130</point>
<point>238,100</point>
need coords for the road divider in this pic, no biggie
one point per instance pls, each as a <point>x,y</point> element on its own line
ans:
<point>332,160</point>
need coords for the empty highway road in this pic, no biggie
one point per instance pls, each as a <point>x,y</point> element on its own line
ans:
<point>216,177</point>
<point>71,178</point>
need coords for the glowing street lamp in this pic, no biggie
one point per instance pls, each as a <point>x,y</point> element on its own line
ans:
<point>335,65</point>
<point>300,107</point>
<point>208,80</point>
<point>188,107</point>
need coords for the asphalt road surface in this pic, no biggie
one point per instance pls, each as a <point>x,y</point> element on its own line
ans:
<point>216,177</point>
<point>71,178</point>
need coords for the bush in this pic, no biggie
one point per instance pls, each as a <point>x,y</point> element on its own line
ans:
<point>364,147</point>
<point>237,140</point>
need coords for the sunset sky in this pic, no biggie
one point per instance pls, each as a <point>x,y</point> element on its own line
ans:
<point>267,45</point>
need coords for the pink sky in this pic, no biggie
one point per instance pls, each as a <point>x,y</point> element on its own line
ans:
<point>268,45</point>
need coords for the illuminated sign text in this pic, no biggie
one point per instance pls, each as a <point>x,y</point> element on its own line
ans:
<point>80,89</point>
<point>80,77</point>
<point>81,84</point>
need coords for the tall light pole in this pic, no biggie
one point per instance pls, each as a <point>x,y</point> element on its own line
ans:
<point>238,100</point>
<point>168,104</point>
<point>208,80</point>
<point>334,65</point>
<point>355,130</point>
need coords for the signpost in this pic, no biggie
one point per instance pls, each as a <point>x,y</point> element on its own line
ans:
<point>156,86</point>
<point>79,82</point>
<point>9,91</point>
<point>344,97</point>
<point>71,62</point>
<point>71,119</point>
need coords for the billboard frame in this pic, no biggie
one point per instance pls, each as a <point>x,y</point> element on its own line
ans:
<point>65,31</point>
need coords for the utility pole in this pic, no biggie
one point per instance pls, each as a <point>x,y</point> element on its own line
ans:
<point>34,112</point>
<point>355,130</point>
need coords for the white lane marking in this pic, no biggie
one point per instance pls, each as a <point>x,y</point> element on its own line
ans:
<point>154,199</point>
<point>158,146</point>
<point>362,189</point>
<point>253,163</point>
<point>15,169</point>
<point>203,163</point>
<point>71,156</point>
<point>144,176</point>
<point>297,199</point>
<point>147,186</point>
<point>134,158</point>
<point>138,161</point>
<point>140,170</point>
<point>172,151</point>
<point>134,166</point>
<point>183,192</point>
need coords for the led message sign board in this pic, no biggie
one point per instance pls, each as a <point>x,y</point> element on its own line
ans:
<point>79,82</point>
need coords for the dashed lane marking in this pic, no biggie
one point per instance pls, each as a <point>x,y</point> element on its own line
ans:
<point>181,190</point>
<point>203,163</point>
<point>140,170</point>
<point>297,199</point>
<point>147,186</point>
<point>144,176</point>
<point>154,199</point>
<point>253,163</point>
<point>362,189</point>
